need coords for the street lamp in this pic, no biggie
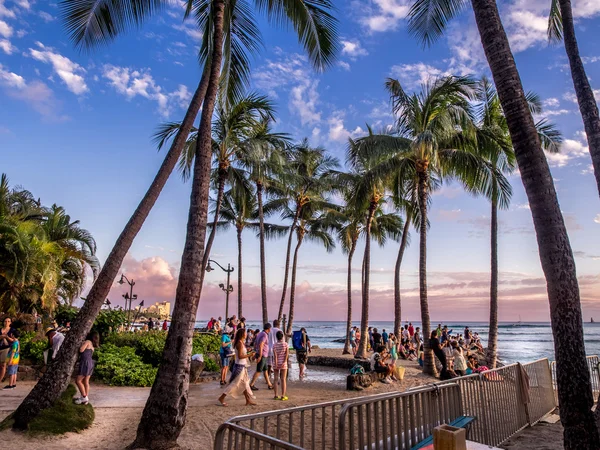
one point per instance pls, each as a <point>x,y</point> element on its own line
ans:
<point>129,297</point>
<point>225,288</point>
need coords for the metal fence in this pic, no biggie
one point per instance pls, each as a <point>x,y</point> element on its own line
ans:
<point>503,401</point>
<point>398,420</point>
<point>593,363</point>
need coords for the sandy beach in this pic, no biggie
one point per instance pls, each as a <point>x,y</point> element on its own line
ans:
<point>118,409</point>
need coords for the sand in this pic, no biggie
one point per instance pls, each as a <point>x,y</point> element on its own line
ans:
<point>543,436</point>
<point>118,409</point>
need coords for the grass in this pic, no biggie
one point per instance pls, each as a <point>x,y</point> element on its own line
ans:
<point>63,417</point>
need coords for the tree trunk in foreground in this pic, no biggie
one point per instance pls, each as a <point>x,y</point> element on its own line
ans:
<point>165,411</point>
<point>573,376</point>
<point>58,374</point>
<point>293,288</point>
<point>585,95</point>
<point>287,265</point>
<point>397,298</point>
<point>347,349</point>
<point>364,319</point>
<point>263,262</point>
<point>239,240</point>
<point>492,348</point>
<point>428,361</point>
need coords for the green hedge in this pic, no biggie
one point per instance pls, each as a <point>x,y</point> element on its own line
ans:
<point>32,347</point>
<point>121,366</point>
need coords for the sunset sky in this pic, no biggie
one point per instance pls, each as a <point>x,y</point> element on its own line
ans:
<point>76,127</point>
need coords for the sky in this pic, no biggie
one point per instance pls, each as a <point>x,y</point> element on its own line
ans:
<point>76,129</point>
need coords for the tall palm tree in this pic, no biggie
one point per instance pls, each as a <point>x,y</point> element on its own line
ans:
<point>92,23</point>
<point>437,123</point>
<point>306,176</point>
<point>562,28</point>
<point>350,224</point>
<point>428,19</point>
<point>314,225</point>
<point>263,161</point>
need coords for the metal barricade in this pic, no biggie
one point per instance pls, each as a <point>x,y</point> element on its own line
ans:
<point>234,437</point>
<point>593,363</point>
<point>398,420</point>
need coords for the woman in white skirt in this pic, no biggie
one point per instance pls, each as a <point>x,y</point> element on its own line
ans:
<point>239,382</point>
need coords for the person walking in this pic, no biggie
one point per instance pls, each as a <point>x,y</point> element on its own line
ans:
<point>261,349</point>
<point>272,341</point>
<point>6,339</point>
<point>239,383</point>
<point>302,347</point>
<point>281,353</point>
<point>225,352</point>
<point>86,367</point>
<point>12,360</point>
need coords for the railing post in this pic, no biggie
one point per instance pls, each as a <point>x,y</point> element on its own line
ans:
<point>484,410</point>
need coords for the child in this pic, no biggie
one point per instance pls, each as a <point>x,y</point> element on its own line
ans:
<point>281,352</point>
<point>13,361</point>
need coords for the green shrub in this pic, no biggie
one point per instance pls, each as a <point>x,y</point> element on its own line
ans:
<point>121,366</point>
<point>32,347</point>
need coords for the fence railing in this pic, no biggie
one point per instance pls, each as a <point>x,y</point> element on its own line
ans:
<point>593,363</point>
<point>398,420</point>
<point>503,401</point>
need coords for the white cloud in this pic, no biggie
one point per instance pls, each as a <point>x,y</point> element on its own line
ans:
<point>384,15</point>
<point>411,76</point>
<point>36,93</point>
<point>344,65</point>
<point>337,131</point>
<point>67,70</point>
<point>353,48</point>
<point>5,29</point>
<point>588,170</point>
<point>555,112</point>
<point>304,99</point>
<point>190,29</point>
<point>46,17</point>
<point>23,4</point>
<point>7,47</point>
<point>551,103</point>
<point>132,83</point>
<point>597,218</point>
<point>5,12</point>
<point>570,149</point>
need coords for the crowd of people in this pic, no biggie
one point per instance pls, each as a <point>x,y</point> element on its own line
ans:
<point>456,354</point>
<point>268,349</point>
<point>10,355</point>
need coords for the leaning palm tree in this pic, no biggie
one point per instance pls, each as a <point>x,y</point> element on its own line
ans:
<point>314,226</point>
<point>307,176</point>
<point>438,133</point>
<point>428,19</point>
<point>97,22</point>
<point>562,28</point>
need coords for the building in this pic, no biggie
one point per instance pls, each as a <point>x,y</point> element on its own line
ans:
<point>161,309</point>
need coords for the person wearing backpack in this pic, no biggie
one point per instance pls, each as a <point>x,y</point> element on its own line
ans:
<point>301,343</point>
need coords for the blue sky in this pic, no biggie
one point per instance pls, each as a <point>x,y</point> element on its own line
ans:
<point>76,127</point>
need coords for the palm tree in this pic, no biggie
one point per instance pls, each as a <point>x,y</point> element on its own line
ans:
<point>314,225</point>
<point>561,27</point>
<point>427,19</point>
<point>263,160</point>
<point>306,176</point>
<point>350,225</point>
<point>239,209</point>
<point>438,133</point>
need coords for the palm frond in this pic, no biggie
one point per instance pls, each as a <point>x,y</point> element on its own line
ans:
<point>555,25</point>
<point>427,19</point>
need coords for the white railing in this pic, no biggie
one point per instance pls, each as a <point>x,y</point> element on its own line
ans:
<point>594,367</point>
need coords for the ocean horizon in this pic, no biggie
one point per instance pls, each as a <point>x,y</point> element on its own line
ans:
<point>517,342</point>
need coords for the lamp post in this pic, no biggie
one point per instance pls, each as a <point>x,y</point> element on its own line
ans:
<point>225,288</point>
<point>129,297</point>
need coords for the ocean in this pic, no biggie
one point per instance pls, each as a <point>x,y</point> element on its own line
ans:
<point>527,341</point>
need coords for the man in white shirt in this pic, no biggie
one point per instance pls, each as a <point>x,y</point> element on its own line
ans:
<point>55,340</point>
<point>272,341</point>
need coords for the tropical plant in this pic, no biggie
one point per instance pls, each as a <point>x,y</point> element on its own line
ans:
<point>561,27</point>
<point>306,176</point>
<point>427,20</point>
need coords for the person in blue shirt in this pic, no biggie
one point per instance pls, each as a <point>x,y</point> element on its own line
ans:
<point>385,337</point>
<point>225,352</point>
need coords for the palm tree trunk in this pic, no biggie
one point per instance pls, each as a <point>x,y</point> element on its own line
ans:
<point>287,265</point>
<point>493,329</point>
<point>397,299</point>
<point>585,95</point>
<point>223,176</point>
<point>293,289</point>
<point>58,373</point>
<point>573,376</point>
<point>364,320</point>
<point>263,271</point>
<point>428,361</point>
<point>349,319</point>
<point>239,289</point>
<point>165,411</point>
